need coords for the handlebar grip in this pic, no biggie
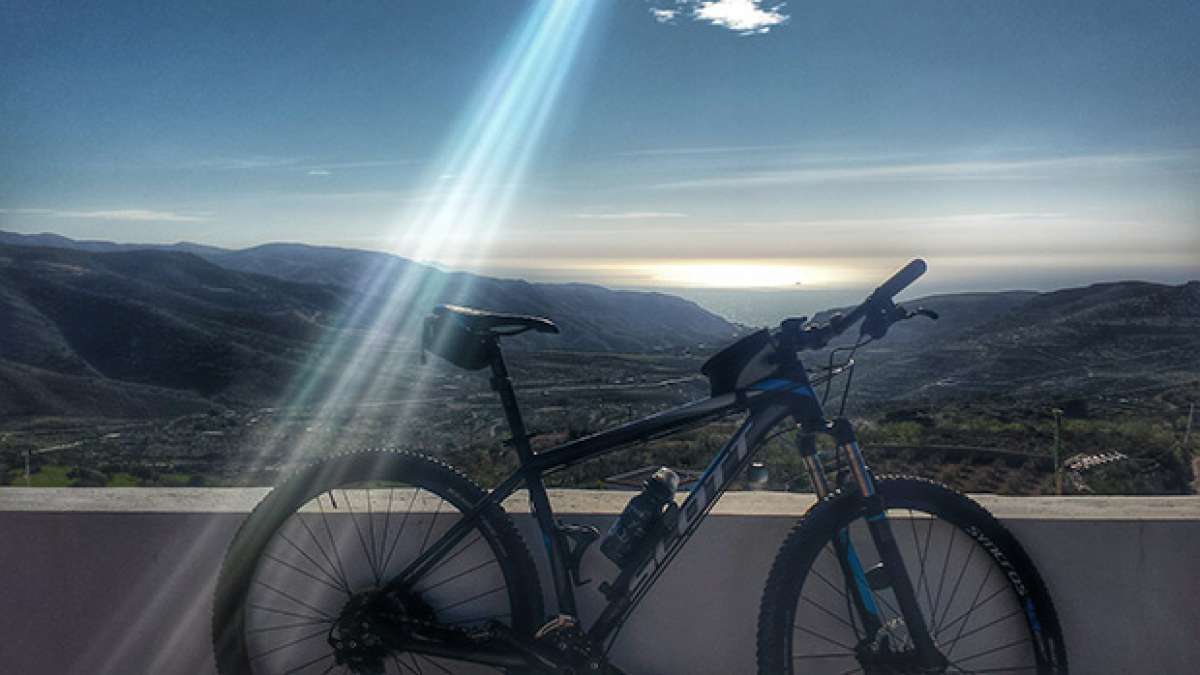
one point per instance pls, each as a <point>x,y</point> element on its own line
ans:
<point>901,280</point>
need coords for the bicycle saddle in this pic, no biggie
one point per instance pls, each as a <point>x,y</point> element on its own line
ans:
<point>484,323</point>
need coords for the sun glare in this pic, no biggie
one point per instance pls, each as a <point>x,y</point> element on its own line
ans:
<point>708,274</point>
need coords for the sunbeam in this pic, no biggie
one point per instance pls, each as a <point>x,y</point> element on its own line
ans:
<point>486,160</point>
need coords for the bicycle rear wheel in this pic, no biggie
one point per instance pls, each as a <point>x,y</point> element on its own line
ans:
<point>984,602</point>
<point>310,555</point>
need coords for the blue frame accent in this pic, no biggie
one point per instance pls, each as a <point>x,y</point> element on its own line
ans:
<point>775,384</point>
<point>860,577</point>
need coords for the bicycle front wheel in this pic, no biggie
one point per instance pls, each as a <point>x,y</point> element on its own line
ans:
<point>296,585</point>
<point>983,601</point>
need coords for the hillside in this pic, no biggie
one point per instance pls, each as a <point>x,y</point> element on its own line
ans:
<point>592,318</point>
<point>239,325</point>
<point>169,318</point>
<point>157,318</point>
<point>1101,340</point>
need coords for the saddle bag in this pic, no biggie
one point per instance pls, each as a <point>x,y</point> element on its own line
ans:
<point>445,335</point>
<point>741,364</point>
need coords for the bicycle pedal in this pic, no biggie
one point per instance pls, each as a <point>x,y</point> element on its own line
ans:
<point>878,578</point>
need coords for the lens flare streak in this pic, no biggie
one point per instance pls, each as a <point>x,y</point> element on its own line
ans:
<point>473,188</point>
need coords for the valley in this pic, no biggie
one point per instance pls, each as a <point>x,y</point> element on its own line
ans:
<point>187,365</point>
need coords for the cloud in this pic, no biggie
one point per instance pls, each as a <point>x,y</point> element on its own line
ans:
<point>140,215</point>
<point>935,171</point>
<point>631,215</point>
<point>268,162</point>
<point>745,17</point>
<point>239,163</point>
<point>320,172</point>
<point>364,164</point>
<point>704,150</point>
<point>664,15</point>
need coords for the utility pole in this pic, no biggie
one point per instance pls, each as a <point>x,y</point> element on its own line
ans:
<point>1057,449</point>
<point>1187,434</point>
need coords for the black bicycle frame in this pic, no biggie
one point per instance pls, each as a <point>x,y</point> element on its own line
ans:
<point>768,403</point>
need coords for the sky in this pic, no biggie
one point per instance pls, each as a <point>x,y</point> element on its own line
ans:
<point>726,144</point>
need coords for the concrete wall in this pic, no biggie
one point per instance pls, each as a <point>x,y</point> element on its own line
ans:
<point>119,581</point>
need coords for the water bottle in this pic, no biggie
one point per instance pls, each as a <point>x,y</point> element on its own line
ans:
<point>640,518</point>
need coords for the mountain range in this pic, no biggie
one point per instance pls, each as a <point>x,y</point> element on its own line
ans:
<point>1107,340</point>
<point>107,329</point>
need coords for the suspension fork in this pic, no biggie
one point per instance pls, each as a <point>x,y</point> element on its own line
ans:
<point>852,571</point>
<point>885,544</point>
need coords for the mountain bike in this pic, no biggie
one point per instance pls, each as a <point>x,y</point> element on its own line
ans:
<point>386,561</point>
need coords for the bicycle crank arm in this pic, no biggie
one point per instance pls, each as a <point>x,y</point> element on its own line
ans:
<point>495,646</point>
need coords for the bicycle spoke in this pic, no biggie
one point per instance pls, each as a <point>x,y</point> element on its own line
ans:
<point>306,664</point>
<point>341,574</point>
<point>269,629</point>
<point>842,591</point>
<point>972,608</point>
<point>283,612</point>
<point>881,600</point>
<point>815,634</point>
<point>400,531</point>
<point>993,650</point>
<point>954,591</point>
<point>292,598</point>
<point>988,632</point>
<point>949,647</point>
<point>432,522</point>
<point>423,566</point>
<point>470,599</point>
<point>1006,669</point>
<point>937,603</point>
<point>826,611</point>
<point>361,540</point>
<point>305,573</point>
<point>387,518</point>
<point>300,585</point>
<point>331,577</point>
<point>291,643</point>
<point>838,590</point>
<point>922,556</point>
<point>803,657</point>
<point>371,535</point>
<point>455,555</point>
<point>457,576</point>
<point>329,533</point>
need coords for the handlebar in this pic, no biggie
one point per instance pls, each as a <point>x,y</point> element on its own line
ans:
<point>901,280</point>
<point>878,308</point>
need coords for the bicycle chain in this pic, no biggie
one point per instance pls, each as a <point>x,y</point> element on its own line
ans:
<point>585,660</point>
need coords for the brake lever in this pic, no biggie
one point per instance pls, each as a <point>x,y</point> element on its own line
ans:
<point>921,311</point>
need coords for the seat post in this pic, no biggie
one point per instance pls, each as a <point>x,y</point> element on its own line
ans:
<point>502,385</point>
<point>557,549</point>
